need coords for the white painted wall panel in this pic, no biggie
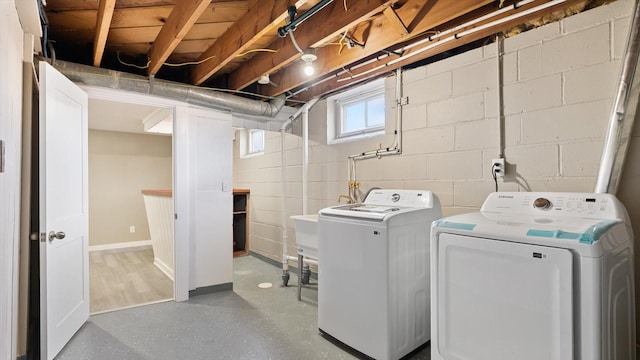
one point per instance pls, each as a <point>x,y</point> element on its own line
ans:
<point>211,208</point>
<point>159,210</point>
<point>11,39</point>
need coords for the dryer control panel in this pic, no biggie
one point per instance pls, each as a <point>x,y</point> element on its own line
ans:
<point>602,206</point>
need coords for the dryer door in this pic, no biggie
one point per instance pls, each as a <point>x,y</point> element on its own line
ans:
<point>501,300</point>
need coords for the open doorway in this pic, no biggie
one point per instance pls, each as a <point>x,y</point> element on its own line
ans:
<point>131,247</point>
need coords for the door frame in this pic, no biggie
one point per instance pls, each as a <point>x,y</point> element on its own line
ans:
<point>180,191</point>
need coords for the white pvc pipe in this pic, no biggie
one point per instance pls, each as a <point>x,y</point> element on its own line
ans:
<point>305,154</point>
<point>283,197</point>
<point>305,260</point>
<point>305,162</point>
<point>304,110</point>
<point>500,93</point>
<point>623,113</point>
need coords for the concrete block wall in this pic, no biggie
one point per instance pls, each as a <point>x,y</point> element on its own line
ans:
<point>559,84</point>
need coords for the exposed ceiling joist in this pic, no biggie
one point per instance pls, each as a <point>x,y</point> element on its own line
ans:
<point>318,29</point>
<point>233,41</point>
<point>262,17</point>
<point>103,22</point>
<point>396,22</point>
<point>438,46</point>
<point>379,38</point>
<point>182,18</point>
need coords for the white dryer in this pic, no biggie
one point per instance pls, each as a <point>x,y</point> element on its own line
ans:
<point>534,276</point>
<point>373,283</point>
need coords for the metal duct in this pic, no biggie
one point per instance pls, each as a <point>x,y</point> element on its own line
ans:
<point>204,97</point>
<point>623,113</point>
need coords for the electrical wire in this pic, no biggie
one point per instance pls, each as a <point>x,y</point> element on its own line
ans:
<point>166,63</point>
<point>455,34</point>
<point>256,50</point>
<point>493,173</point>
<point>190,62</point>
<point>132,65</point>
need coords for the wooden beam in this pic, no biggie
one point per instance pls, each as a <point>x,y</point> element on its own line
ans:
<point>379,38</point>
<point>179,22</point>
<point>334,84</point>
<point>262,17</point>
<point>318,29</point>
<point>396,22</point>
<point>103,23</point>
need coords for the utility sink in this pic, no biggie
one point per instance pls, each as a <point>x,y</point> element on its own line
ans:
<point>307,235</point>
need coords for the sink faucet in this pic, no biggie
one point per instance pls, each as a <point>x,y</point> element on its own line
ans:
<point>349,201</point>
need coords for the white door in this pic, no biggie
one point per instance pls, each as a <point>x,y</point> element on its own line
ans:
<point>64,267</point>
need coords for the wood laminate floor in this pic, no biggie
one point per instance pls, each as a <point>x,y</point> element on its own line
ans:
<point>124,278</point>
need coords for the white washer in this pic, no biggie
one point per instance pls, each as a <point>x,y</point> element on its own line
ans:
<point>373,283</point>
<point>534,276</point>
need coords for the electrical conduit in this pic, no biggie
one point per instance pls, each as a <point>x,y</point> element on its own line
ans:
<point>395,149</point>
<point>623,113</point>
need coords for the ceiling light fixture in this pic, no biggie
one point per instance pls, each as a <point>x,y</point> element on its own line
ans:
<point>264,79</point>
<point>308,67</point>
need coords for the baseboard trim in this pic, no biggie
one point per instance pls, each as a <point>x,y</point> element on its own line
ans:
<point>121,245</point>
<point>163,267</point>
<point>130,306</point>
<point>278,264</point>
<point>210,289</point>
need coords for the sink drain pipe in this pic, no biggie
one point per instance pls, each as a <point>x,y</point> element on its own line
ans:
<point>190,94</point>
<point>623,113</point>
<point>304,110</point>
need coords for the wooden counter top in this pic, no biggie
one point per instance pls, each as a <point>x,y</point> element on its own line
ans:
<point>164,193</point>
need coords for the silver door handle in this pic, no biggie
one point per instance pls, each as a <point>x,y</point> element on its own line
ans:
<point>56,235</point>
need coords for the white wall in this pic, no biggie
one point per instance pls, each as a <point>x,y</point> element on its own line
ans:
<point>11,39</point>
<point>202,161</point>
<point>203,153</point>
<point>560,81</point>
<point>121,165</point>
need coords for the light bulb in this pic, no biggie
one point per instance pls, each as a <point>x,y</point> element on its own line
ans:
<point>308,69</point>
<point>308,59</point>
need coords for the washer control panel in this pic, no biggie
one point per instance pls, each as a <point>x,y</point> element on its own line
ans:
<point>408,198</point>
<point>604,206</point>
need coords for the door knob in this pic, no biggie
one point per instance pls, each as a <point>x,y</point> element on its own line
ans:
<point>56,235</point>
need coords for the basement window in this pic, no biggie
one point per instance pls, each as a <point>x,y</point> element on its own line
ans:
<point>256,141</point>
<point>357,113</point>
<point>251,143</point>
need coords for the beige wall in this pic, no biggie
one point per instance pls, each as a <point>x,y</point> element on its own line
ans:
<point>120,166</point>
<point>560,81</point>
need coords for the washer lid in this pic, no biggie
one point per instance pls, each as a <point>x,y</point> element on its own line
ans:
<point>582,230</point>
<point>589,223</point>
<point>364,211</point>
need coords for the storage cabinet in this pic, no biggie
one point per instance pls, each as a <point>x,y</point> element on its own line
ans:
<point>240,222</point>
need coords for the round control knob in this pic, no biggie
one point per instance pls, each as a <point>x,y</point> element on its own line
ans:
<point>542,204</point>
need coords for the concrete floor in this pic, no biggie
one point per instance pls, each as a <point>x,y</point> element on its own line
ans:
<point>246,323</point>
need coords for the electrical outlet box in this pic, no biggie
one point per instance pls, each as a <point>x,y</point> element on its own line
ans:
<point>132,229</point>
<point>497,167</point>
